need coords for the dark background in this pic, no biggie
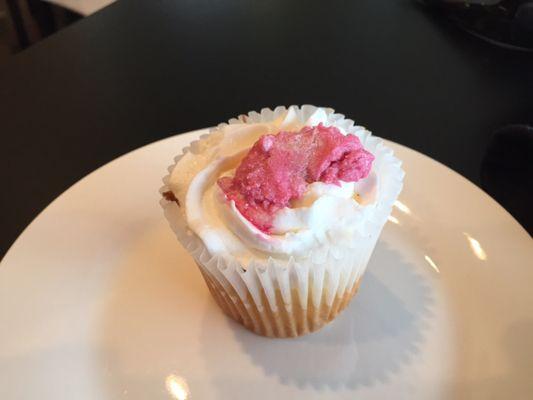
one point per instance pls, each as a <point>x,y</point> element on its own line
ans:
<point>139,71</point>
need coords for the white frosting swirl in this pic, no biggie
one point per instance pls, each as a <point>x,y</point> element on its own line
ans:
<point>324,215</point>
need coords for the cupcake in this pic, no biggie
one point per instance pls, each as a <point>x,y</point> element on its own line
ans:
<point>281,211</point>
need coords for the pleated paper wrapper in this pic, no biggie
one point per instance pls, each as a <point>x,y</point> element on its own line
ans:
<point>292,297</point>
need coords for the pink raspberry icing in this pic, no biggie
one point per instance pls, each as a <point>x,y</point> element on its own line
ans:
<point>278,169</point>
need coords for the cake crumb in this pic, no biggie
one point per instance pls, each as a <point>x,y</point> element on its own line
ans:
<point>169,196</point>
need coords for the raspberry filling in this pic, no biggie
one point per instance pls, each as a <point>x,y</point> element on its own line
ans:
<point>278,169</point>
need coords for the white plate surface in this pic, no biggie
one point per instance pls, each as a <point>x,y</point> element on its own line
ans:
<point>99,301</point>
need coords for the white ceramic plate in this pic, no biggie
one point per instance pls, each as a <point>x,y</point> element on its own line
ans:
<point>99,301</point>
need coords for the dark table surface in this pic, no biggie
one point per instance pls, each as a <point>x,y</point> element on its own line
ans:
<point>142,70</point>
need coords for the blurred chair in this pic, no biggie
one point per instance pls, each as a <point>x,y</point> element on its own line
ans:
<point>18,23</point>
<point>43,14</point>
<point>506,23</point>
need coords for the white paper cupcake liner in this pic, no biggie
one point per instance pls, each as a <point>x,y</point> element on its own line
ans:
<point>287,298</point>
